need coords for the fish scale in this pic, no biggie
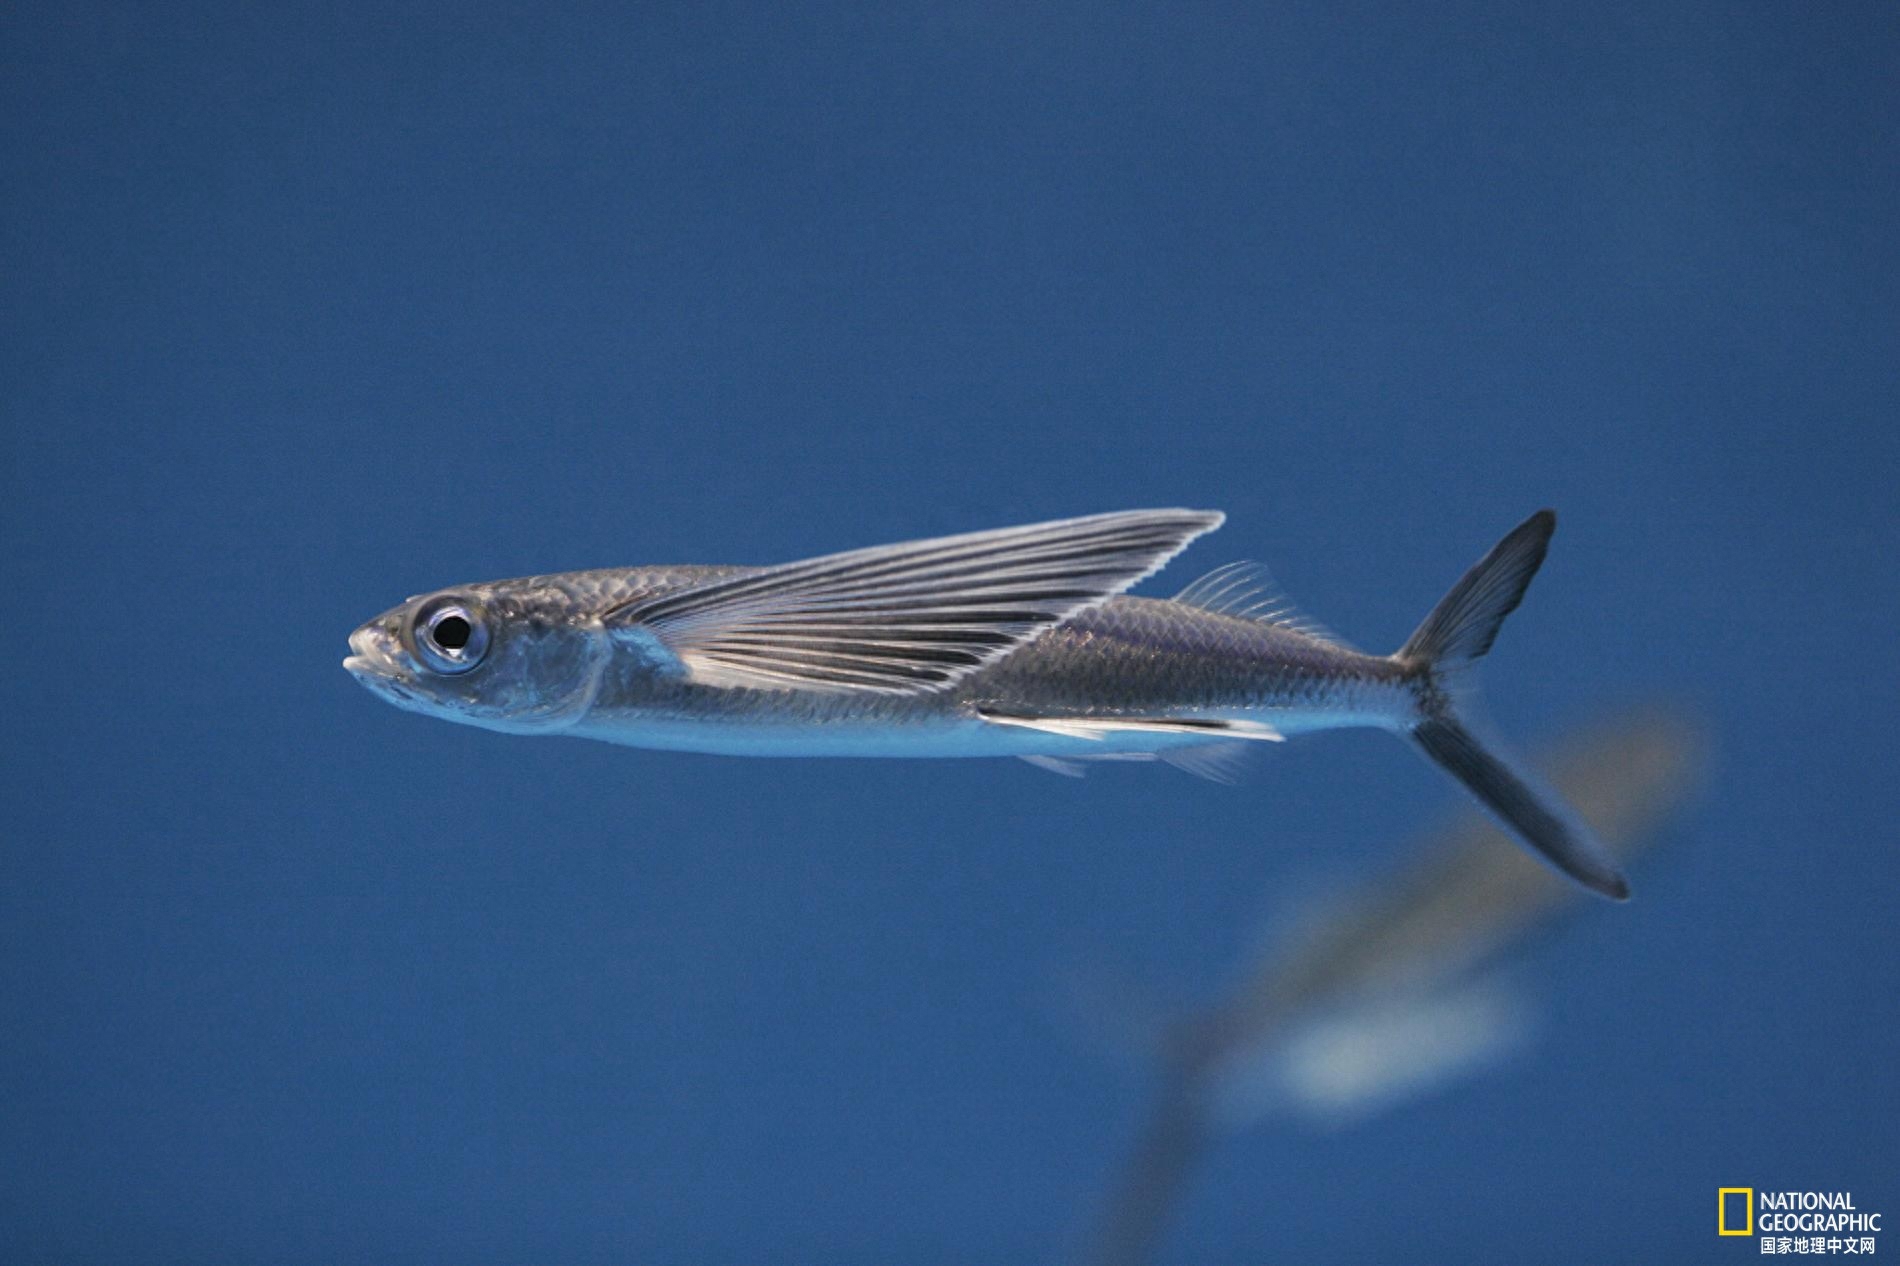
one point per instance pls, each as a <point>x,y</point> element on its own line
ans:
<point>1147,656</point>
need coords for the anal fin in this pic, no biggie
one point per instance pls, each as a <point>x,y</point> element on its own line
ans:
<point>1220,762</point>
<point>1078,766</point>
<point>1058,765</point>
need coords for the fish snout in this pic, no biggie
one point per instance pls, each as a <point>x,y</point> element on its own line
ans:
<point>375,652</point>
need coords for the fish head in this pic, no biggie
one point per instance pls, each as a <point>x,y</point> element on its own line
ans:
<point>516,656</point>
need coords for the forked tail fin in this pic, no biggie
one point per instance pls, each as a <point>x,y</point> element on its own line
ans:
<point>1460,629</point>
<point>1535,818</point>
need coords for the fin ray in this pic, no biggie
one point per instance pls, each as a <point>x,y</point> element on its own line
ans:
<point>1058,765</point>
<point>1221,762</point>
<point>1247,591</point>
<point>910,618</point>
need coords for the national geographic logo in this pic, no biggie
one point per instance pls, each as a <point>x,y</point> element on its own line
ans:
<point>1797,1221</point>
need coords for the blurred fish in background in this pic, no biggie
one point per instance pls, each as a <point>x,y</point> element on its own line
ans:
<point>1393,989</point>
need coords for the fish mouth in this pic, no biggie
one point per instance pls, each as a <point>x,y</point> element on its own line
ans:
<point>381,679</point>
<point>369,657</point>
<point>374,664</point>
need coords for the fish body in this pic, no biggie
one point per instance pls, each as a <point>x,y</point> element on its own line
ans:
<point>1018,642</point>
<point>1128,658</point>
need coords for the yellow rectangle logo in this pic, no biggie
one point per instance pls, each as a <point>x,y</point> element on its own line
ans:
<point>1721,1210</point>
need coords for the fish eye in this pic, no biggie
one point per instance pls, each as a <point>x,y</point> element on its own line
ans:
<point>450,636</point>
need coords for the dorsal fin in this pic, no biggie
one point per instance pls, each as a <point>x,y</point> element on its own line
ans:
<point>1247,591</point>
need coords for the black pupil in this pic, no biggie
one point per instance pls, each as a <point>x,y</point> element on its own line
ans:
<point>451,632</point>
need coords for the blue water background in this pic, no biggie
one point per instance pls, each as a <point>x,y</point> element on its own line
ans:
<point>307,309</point>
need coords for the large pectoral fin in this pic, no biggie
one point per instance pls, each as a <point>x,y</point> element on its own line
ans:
<point>910,618</point>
